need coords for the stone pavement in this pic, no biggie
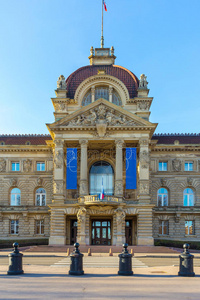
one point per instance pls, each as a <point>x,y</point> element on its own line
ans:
<point>47,282</point>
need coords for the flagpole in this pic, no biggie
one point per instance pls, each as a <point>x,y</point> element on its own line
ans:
<point>102,38</point>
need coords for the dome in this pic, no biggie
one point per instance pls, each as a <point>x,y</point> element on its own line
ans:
<point>128,78</point>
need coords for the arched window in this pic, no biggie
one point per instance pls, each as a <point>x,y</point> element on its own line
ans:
<point>101,178</point>
<point>162,197</point>
<point>102,92</point>
<point>40,197</point>
<point>15,197</point>
<point>188,197</point>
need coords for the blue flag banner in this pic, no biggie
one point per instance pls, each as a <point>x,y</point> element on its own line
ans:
<point>71,176</point>
<point>131,168</point>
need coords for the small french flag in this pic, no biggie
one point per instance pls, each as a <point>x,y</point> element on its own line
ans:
<point>102,191</point>
<point>104,4</point>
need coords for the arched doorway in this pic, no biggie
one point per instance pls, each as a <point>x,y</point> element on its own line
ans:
<point>101,178</point>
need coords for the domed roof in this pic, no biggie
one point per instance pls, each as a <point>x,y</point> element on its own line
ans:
<point>127,77</point>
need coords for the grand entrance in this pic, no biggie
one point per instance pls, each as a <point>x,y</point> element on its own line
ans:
<point>101,232</point>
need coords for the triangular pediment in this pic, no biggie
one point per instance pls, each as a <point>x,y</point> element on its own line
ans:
<point>101,112</point>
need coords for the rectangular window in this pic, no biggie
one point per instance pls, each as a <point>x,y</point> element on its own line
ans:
<point>189,227</point>
<point>164,227</point>
<point>189,166</point>
<point>162,166</point>
<point>39,227</point>
<point>40,166</point>
<point>15,166</point>
<point>14,226</point>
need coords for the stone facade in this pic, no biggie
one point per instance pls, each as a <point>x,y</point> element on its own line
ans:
<point>34,201</point>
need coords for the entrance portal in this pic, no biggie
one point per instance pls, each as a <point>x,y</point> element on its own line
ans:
<point>128,232</point>
<point>101,232</point>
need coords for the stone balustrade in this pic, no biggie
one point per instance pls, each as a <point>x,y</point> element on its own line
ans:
<point>107,199</point>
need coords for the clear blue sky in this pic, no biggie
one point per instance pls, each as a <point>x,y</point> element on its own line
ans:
<point>41,39</point>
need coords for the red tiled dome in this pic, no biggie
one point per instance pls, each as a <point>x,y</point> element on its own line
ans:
<point>126,76</point>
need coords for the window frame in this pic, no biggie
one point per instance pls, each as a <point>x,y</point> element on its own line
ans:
<point>188,197</point>
<point>39,227</point>
<point>162,225</point>
<point>187,228</point>
<point>15,226</point>
<point>162,197</point>
<point>39,163</point>
<point>14,163</point>
<point>40,196</point>
<point>187,163</point>
<point>15,198</point>
<point>162,169</point>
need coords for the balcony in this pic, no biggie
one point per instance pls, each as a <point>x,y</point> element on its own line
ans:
<point>94,199</point>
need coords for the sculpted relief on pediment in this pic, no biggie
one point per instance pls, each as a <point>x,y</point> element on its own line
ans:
<point>102,115</point>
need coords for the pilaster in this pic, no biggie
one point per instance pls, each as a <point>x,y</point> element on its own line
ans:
<point>119,168</point>
<point>83,168</point>
<point>144,162</point>
<point>58,176</point>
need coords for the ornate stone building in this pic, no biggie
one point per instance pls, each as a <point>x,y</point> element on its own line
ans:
<point>102,176</point>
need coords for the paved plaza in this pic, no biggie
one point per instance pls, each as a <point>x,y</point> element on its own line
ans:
<point>46,277</point>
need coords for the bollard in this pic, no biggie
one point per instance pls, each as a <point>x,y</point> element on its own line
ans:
<point>125,262</point>
<point>15,261</point>
<point>89,252</point>
<point>110,252</point>
<point>186,262</point>
<point>68,251</point>
<point>76,266</point>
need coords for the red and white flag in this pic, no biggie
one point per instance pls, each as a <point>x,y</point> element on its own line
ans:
<point>104,4</point>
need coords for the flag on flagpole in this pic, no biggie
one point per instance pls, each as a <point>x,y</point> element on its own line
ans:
<point>104,4</point>
<point>102,191</point>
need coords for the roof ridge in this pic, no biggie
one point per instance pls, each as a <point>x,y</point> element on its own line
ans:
<point>24,135</point>
<point>176,134</point>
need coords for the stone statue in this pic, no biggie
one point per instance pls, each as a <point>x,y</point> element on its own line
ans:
<point>143,81</point>
<point>61,84</point>
<point>91,51</point>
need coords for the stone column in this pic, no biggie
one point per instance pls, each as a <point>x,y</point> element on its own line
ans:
<point>144,161</point>
<point>110,93</point>
<point>59,171</point>
<point>83,169</point>
<point>119,168</point>
<point>120,226</point>
<point>93,93</point>
<point>57,233</point>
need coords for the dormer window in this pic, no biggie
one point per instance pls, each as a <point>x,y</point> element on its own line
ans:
<point>107,93</point>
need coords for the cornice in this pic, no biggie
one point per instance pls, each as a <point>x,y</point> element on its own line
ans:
<point>185,148</point>
<point>19,148</point>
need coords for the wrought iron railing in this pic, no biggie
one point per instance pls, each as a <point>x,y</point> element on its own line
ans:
<point>96,199</point>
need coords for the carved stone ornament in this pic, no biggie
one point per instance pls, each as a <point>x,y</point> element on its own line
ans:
<point>143,81</point>
<point>61,84</point>
<point>102,112</point>
<point>118,188</point>
<point>189,181</point>
<point>2,165</point>
<point>144,142</point>
<point>176,164</point>
<point>177,217</point>
<point>81,215</point>
<point>27,164</point>
<point>101,210</point>
<point>39,181</point>
<point>143,105</point>
<point>144,188</point>
<point>120,215</point>
<point>13,182</point>
<point>58,187</point>
<point>58,143</point>
<point>58,159</point>
<point>60,106</point>
<point>163,181</point>
<point>144,159</point>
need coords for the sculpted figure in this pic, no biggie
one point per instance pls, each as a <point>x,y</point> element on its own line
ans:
<point>58,159</point>
<point>143,81</point>
<point>27,165</point>
<point>176,163</point>
<point>120,215</point>
<point>2,165</point>
<point>81,214</point>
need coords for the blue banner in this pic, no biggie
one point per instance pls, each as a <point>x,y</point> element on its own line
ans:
<point>71,176</point>
<point>131,168</point>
